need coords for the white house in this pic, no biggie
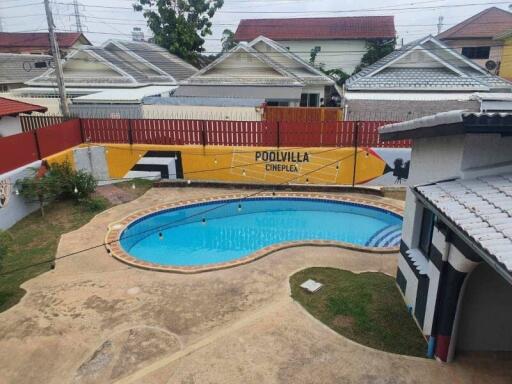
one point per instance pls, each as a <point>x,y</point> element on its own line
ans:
<point>419,79</point>
<point>10,111</point>
<point>455,262</point>
<point>115,65</point>
<point>261,69</point>
<point>339,42</point>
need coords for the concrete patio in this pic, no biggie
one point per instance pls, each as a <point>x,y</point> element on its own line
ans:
<point>96,320</point>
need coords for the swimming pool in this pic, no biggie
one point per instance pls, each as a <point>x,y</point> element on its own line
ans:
<point>222,231</point>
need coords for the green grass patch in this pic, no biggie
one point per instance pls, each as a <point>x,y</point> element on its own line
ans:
<point>366,308</point>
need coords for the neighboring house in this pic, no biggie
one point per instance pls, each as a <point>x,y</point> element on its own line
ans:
<point>455,262</point>
<point>420,79</point>
<point>505,65</point>
<point>473,37</point>
<point>340,42</point>
<point>261,69</point>
<point>116,64</point>
<point>10,111</point>
<point>38,43</point>
<point>16,69</point>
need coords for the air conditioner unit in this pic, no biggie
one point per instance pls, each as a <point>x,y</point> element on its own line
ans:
<point>492,66</point>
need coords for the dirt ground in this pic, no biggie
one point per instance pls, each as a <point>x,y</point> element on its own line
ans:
<point>96,320</point>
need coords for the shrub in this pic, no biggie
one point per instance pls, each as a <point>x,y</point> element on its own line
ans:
<point>74,185</point>
<point>5,241</point>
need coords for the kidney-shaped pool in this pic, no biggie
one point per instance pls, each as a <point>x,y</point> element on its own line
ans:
<point>221,231</point>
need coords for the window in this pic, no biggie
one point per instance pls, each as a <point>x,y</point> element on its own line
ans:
<point>318,48</point>
<point>277,103</point>
<point>427,227</point>
<point>309,100</point>
<point>476,52</point>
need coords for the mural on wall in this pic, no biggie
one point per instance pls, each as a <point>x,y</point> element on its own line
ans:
<point>257,164</point>
<point>5,192</point>
<point>375,166</point>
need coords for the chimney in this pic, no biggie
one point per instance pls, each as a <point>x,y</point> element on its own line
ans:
<point>137,34</point>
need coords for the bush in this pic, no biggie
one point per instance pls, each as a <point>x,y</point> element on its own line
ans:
<point>74,185</point>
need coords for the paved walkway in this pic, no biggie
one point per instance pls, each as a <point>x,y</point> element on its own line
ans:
<point>96,320</point>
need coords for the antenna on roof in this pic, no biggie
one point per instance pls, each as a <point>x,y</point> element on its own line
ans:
<point>78,22</point>
<point>440,24</point>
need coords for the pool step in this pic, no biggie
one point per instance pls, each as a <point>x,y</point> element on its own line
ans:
<point>386,237</point>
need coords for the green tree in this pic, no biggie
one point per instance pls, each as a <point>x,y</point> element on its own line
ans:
<point>228,40</point>
<point>375,50</point>
<point>337,75</point>
<point>180,26</point>
<point>42,189</point>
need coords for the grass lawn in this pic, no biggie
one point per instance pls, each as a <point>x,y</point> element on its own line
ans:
<point>366,308</point>
<point>34,239</point>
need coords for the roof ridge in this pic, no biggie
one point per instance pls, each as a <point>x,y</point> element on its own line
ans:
<point>456,28</point>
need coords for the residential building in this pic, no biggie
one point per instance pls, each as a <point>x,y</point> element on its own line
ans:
<point>505,64</point>
<point>261,69</point>
<point>473,37</point>
<point>10,111</point>
<point>339,42</point>
<point>455,262</point>
<point>419,79</point>
<point>38,43</point>
<point>115,65</point>
<point>16,69</point>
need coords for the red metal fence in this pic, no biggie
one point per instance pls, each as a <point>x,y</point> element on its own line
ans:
<point>237,133</point>
<point>24,148</point>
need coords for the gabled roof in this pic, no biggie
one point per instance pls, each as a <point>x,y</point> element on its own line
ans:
<point>293,70</point>
<point>318,28</point>
<point>287,78</point>
<point>486,24</point>
<point>303,70</point>
<point>453,72</point>
<point>135,63</point>
<point>19,68</point>
<point>21,42</point>
<point>10,107</point>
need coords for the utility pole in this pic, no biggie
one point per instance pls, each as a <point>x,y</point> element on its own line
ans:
<point>78,22</point>
<point>56,58</point>
<point>440,24</point>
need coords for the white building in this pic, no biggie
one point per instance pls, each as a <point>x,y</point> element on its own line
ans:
<point>10,111</point>
<point>340,42</point>
<point>455,262</point>
<point>261,69</point>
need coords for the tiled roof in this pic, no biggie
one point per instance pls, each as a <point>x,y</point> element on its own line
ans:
<point>137,63</point>
<point>17,68</point>
<point>481,208</point>
<point>419,78</point>
<point>426,78</point>
<point>326,28</point>
<point>17,42</point>
<point>10,107</point>
<point>485,24</point>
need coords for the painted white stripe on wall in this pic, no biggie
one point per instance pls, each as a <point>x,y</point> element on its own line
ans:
<point>412,282</point>
<point>433,275</point>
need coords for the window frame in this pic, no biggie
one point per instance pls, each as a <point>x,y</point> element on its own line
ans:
<point>475,53</point>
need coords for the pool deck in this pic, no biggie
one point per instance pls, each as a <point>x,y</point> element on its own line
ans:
<point>96,320</point>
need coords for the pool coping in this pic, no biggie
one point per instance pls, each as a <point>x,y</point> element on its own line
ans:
<point>115,229</point>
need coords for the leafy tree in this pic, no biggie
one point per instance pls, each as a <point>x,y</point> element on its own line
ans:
<point>337,74</point>
<point>42,189</point>
<point>313,54</point>
<point>180,25</point>
<point>228,40</point>
<point>375,50</point>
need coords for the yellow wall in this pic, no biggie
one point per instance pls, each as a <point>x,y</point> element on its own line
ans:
<point>506,60</point>
<point>251,164</point>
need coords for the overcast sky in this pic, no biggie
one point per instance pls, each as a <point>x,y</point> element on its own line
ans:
<point>413,19</point>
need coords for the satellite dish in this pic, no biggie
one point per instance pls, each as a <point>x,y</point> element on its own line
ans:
<point>491,65</point>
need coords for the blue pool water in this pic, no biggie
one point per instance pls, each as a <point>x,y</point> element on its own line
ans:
<point>221,231</point>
